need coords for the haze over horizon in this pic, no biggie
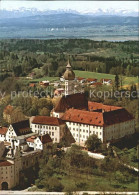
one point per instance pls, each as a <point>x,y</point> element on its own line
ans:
<point>82,7</point>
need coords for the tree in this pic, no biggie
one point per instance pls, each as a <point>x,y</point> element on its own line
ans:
<point>117,82</point>
<point>93,143</point>
<point>17,115</point>
<point>54,185</point>
<point>44,112</point>
<point>45,69</point>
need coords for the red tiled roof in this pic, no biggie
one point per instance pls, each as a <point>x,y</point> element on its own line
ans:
<point>4,163</point>
<point>77,101</point>
<point>45,138</point>
<point>80,78</point>
<point>32,85</point>
<point>97,106</point>
<point>116,116</point>
<point>97,84</point>
<point>3,130</point>
<point>47,120</point>
<point>91,79</point>
<point>31,139</point>
<point>97,118</point>
<point>85,117</point>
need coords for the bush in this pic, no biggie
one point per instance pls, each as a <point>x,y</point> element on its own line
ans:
<point>54,185</point>
<point>93,143</point>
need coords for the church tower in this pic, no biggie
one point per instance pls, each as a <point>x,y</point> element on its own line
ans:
<point>69,77</point>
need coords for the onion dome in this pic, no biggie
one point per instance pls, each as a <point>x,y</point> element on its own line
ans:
<point>69,74</point>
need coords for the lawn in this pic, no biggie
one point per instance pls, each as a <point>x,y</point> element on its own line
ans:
<point>84,182</point>
<point>86,74</point>
<point>45,78</point>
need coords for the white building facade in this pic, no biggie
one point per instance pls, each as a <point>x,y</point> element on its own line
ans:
<point>82,124</point>
<point>48,125</point>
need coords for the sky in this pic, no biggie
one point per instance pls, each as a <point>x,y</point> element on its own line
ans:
<point>74,5</point>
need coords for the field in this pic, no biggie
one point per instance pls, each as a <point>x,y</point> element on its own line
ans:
<point>95,183</point>
<point>45,78</point>
<point>85,74</point>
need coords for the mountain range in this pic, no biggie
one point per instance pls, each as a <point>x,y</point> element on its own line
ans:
<point>24,12</point>
<point>65,24</point>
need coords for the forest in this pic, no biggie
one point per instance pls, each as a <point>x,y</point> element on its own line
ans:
<point>49,57</point>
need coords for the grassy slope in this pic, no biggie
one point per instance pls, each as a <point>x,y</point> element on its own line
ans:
<point>86,74</point>
<point>45,78</point>
<point>95,183</point>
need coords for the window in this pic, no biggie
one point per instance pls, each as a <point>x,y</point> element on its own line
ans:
<point>55,128</point>
<point>52,133</point>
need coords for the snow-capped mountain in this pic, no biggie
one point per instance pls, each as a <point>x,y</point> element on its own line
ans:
<point>24,12</point>
<point>117,12</point>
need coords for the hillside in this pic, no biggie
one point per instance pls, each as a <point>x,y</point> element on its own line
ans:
<point>68,25</point>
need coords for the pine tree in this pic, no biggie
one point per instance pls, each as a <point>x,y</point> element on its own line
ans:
<point>117,82</point>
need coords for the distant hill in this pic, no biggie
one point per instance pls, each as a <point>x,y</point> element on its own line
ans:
<point>67,20</point>
<point>24,12</point>
<point>63,25</point>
